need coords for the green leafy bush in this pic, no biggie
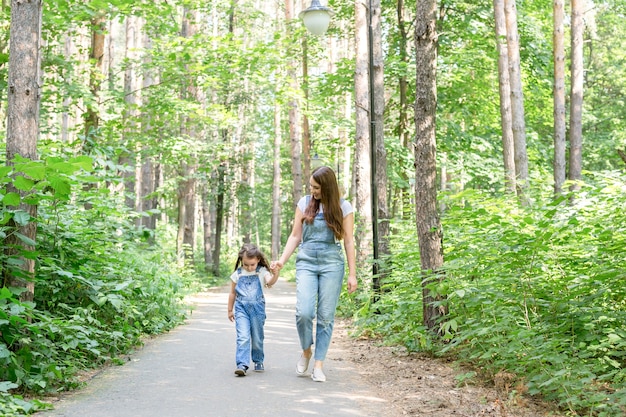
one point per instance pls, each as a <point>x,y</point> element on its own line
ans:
<point>537,291</point>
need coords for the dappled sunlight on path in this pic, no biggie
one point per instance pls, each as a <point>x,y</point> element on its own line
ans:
<point>189,372</point>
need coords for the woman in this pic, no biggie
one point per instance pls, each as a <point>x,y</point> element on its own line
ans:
<point>322,221</point>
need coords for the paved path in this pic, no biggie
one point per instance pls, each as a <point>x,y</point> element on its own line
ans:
<point>189,372</point>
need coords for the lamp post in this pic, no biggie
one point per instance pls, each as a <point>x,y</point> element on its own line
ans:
<point>316,19</point>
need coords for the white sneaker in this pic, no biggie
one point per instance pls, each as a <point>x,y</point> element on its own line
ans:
<point>318,375</point>
<point>303,365</point>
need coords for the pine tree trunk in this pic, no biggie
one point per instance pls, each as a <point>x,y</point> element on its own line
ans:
<point>576,96</point>
<point>23,129</point>
<point>294,121</point>
<point>508,146</point>
<point>380,191</point>
<point>276,203</point>
<point>429,231</point>
<point>559,96</point>
<point>362,157</point>
<point>517,99</point>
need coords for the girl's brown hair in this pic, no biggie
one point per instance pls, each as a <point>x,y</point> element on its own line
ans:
<point>248,250</point>
<point>330,198</point>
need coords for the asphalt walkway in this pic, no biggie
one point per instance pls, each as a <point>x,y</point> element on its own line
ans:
<point>189,372</point>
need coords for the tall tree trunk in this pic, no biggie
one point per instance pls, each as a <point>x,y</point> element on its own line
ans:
<point>132,180</point>
<point>206,226</point>
<point>187,187</point>
<point>362,157</point>
<point>517,99</point>
<point>306,134</point>
<point>559,96</point>
<point>276,183</point>
<point>147,200</point>
<point>576,96</point>
<point>96,55</point>
<point>294,119</point>
<point>379,190</point>
<point>429,233</point>
<point>403,195</point>
<point>23,130</point>
<point>219,210</point>
<point>508,146</point>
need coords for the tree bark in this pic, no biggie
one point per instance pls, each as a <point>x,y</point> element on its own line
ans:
<point>132,178</point>
<point>188,184</point>
<point>429,231</point>
<point>24,96</point>
<point>403,195</point>
<point>576,96</point>
<point>508,146</point>
<point>362,158</point>
<point>379,151</point>
<point>96,55</point>
<point>276,184</point>
<point>559,96</point>
<point>517,99</point>
<point>294,121</point>
<point>148,181</point>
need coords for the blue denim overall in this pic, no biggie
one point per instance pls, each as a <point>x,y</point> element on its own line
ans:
<point>320,269</point>
<point>249,319</point>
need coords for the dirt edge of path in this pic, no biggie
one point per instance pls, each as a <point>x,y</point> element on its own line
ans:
<point>418,385</point>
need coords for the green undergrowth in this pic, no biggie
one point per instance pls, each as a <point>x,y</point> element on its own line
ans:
<point>101,286</point>
<point>538,292</point>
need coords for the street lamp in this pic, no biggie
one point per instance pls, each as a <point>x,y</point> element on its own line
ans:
<point>316,18</point>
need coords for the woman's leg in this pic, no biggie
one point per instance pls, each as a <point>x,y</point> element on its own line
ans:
<point>306,297</point>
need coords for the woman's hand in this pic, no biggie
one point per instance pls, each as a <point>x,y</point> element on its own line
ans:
<point>352,284</point>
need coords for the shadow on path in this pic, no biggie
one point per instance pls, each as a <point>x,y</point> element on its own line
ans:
<point>189,372</point>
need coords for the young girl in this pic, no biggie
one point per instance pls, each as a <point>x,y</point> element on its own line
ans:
<point>246,305</point>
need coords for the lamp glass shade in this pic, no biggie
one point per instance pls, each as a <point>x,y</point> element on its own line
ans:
<point>316,21</point>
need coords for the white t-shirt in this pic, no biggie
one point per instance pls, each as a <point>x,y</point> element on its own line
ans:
<point>264,275</point>
<point>346,207</point>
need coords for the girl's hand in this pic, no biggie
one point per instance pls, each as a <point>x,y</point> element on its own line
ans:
<point>276,265</point>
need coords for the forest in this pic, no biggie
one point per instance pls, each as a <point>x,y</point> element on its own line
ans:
<point>482,144</point>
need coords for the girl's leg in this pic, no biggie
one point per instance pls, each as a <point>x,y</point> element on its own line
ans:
<point>257,321</point>
<point>242,326</point>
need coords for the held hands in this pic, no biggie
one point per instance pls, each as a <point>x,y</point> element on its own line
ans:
<point>276,266</point>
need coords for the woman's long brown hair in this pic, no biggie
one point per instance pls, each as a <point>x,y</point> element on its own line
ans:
<point>330,198</point>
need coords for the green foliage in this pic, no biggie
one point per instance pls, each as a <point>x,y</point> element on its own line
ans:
<point>98,287</point>
<point>536,291</point>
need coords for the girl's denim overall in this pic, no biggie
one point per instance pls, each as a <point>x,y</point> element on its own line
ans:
<point>249,319</point>
<point>320,269</point>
